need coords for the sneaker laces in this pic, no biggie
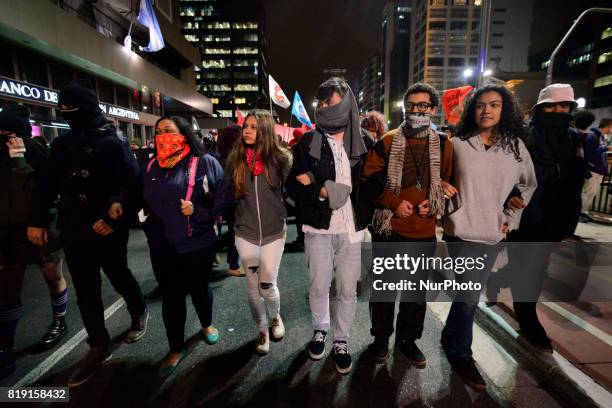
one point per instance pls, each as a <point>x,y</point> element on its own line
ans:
<point>341,348</point>
<point>319,336</point>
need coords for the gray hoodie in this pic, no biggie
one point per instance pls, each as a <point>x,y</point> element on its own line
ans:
<point>485,179</point>
<point>260,215</point>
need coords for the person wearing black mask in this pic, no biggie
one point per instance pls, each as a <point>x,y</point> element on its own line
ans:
<point>20,158</point>
<point>95,176</point>
<point>552,215</point>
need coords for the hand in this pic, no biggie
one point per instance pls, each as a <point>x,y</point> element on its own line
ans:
<point>516,203</point>
<point>505,228</point>
<point>323,192</point>
<point>404,209</point>
<point>186,207</point>
<point>100,227</point>
<point>304,179</point>
<point>37,236</point>
<point>115,211</point>
<point>449,190</point>
<point>423,208</point>
<point>16,147</point>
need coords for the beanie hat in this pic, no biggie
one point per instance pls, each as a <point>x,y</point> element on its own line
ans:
<point>80,94</point>
<point>16,118</point>
<point>556,93</point>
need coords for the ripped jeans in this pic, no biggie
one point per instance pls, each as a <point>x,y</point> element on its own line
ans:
<point>261,265</point>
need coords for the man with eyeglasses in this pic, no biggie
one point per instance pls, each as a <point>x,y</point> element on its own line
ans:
<point>407,176</point>
<point>95,176</point>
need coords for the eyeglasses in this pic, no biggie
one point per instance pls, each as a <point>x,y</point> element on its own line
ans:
<point>420,107</point>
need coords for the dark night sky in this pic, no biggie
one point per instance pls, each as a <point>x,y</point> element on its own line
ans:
<point>305,37</point>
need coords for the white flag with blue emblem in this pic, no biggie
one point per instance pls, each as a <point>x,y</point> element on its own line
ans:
<point>299,111</point>
<point>147,18</point>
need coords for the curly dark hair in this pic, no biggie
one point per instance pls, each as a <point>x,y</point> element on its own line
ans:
<point>510,127</point>
<point>422,87</point>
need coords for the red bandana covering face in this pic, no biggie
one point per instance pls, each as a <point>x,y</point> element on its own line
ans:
<point>256,168</point>
<point>171,149</point>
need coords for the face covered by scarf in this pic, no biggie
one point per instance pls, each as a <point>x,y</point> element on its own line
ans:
<point>549,140</point>
<point>171,149</point>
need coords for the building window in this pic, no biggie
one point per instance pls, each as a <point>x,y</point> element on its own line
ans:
<point>605,57</point>
<point>225,113</point>
<point>456,62</point>
<point>215,87</point>
<point>579,60</point>
<point>217,25</point>
<point>435,62</point>
<point>245,75</point>
<point>191,38</point>
<point>251,37</point>
<point>460,2</point>
<point>497,35</point>
<point>437,37</point>
<point>245,63</point>
<point>217,38</point>
<point>472,62</point>
<point>496,47</point>
<point>603,81</point>
<point>475,25</point>
<point>458,25</point>
<point>437,13</point>
<point>214,101</point>
<point>606,33</point>
<point>437,2</point>
<point>217,51</point>
<point>477,2</point>
<point>187,12</point>
<point>455,49</point>
<point>459,12</point>
<point>245,26</point>
<point>216,63</point>
<point>216,75</point>
<point>437,25</point>
<point>498,22</point>
<point>239,101</point>
<point>436,50</point>
<point>246,50</point>
<point>246,87</point>
<point>458,37</point>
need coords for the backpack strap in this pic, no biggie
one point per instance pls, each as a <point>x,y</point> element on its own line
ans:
<point>193,168</point>
<point>150,165</point>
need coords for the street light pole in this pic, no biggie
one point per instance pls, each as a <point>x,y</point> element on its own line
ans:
<point>485,30</point>
<point>551,60</point>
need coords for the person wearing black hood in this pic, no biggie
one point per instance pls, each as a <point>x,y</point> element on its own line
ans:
<point>552,214</point>
<point>324,179</point>
<point>20,158</point>
<point>96,177</point>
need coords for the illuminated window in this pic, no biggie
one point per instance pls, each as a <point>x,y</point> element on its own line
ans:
<point>217,51</point>
<point>214,101</point>
<point>477,2</point>
<point>225,113</point>
<point>603,81</point>
<point>216,63</point>
<point>216,75</point>
<point>245,26</point>
<point>217,25</point>
<point>251,37</point>
<point>438,2</point>
<point>191,38</point>
<point>215,87</point>
<point>579,60</point>
<point>239,101</point>
<point>246,50</point>
<point>605,57</point>
<point>606,33</point>
<point>245,63</point>
<point>187,12</point>
<point>246,87</point>
<point>215,38</point>
<point>460,2</point>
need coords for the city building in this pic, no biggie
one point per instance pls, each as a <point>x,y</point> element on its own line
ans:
<point>396,58</point>
<point>368,86</point>
<point>231,40</point>
<point>47,44</point>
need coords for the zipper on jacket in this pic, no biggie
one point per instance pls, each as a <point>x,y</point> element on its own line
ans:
<point>258,214</point>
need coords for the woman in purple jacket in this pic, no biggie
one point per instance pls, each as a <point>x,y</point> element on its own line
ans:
<point>184,193</point>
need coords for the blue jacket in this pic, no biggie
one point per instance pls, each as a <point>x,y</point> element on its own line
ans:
<point>166,226</point>
<point>595,152</point>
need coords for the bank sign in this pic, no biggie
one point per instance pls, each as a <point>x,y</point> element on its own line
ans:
<point>34,93</point>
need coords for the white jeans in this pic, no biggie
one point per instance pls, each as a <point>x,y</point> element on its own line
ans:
<point>261,265</point>
<point>589,191</point>
<point>326,254</point>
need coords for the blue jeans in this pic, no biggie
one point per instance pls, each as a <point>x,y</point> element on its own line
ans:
<point>458,329</point>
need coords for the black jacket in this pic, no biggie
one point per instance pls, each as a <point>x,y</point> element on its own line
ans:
<point>313,211</point>
<point>90,170</point>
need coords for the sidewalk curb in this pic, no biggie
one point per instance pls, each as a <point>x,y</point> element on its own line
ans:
<point>557,375</point>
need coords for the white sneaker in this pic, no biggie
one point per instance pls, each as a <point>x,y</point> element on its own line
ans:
<point>278,328</point>
<point>263,343</point>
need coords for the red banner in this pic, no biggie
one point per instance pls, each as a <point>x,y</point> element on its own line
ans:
<point>452,103</point>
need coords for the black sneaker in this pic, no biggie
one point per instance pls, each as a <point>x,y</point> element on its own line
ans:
<point>56,331</point>
<point>584,218</point>
<point>413,353</point>
<point>341,357</point>
<point>95,358</point>
<point>139,328</point>
<point>380,350</point>
<point>539,342</point>
<point>7,362</point>
<point>316,347</point>
<point>467,370</point>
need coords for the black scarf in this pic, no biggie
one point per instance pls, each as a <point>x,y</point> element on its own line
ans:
<point>343,117</point>
<point>549,140</point>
